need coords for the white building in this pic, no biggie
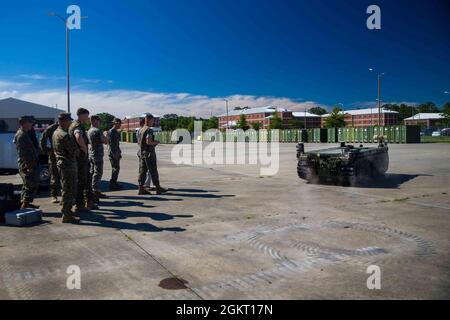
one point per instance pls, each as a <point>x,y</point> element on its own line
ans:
<point>11,109</point>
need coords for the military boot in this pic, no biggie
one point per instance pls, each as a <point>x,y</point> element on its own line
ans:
<point>100,195</point>
<point>28,205</point>
<point>91,205</point>
<point>80,208</point>
<point>113,186</point>
<point>160,190</point>
<point>70,218</point>
<point>54,199</point>
<point>143,191</point>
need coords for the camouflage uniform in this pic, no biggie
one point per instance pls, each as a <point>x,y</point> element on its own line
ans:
<point>28,161</point>
<point>148,162</point>
<point>96,153</point>
<point>66,152</point>
<point>47,147</point>
<point>115,154</point>
<point>84,191</point>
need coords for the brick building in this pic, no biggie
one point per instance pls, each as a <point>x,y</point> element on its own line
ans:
<point>131,123</point>
<point>368,117</point>
<point>262,115</point>
<point>309,120</point>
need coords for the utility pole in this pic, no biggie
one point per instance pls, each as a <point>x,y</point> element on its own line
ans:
<point>228,120</point>
<point>379,100</point>
<point>305,118</point>
<point>379,75</point>
<point>65,21</point>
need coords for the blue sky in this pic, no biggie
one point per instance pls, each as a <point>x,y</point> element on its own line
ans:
<point>187,56</point>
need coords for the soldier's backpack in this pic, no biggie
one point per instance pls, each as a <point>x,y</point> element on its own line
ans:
<point>9,200</point>
<point>23,217</point>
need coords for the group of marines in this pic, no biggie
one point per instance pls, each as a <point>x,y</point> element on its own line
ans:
<point>75,159</point>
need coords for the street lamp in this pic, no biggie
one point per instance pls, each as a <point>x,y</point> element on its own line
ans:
<point>379,94</point>
<point>65,20</point>
<point>228,121</point>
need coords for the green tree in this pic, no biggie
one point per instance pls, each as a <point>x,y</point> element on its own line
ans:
<point>190,126</point>
<point>318,110</point>
<point>169,122</point>
<point>242,123</point>
<point>276,122</point>
<point>335,119</point>
<point>212,123</point>
<point>107,120</point>
<point>256,125</point>
<point>427,107</point>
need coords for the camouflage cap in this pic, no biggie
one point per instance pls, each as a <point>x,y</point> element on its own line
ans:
<point>65,116</point>
<point>27,119</point>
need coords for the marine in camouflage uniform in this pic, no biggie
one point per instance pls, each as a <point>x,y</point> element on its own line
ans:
<point>148,157</point>
<point>115,154</point>
<point>28,161</point>
<point>66,152</point>
<point>83,191</point>
<point>96,153</point>
<point>46,145</point>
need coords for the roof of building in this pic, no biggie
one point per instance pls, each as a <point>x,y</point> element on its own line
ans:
<point>356,112</point>
<point>302,114</point>
<point>268,109</point>
<point>15,108</point>
<point>135,116</point>
<point>426,116</point>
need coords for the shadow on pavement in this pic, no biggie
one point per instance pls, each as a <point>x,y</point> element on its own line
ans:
<point>389,181</point>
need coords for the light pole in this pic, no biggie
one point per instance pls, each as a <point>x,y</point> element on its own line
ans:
<point>379,95</point>
<point>228,121</point>
<point>64,20</point>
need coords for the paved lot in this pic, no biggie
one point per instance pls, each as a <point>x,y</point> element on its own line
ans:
<point>227,232</point>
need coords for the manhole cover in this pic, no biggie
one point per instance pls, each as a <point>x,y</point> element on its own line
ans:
<point>173,283</point>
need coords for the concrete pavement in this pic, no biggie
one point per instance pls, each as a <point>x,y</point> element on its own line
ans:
<point>226,232</point>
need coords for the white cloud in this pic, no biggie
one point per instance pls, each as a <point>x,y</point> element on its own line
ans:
<point>10,85</point>
<point>131,102</point>
<point>39,77</point>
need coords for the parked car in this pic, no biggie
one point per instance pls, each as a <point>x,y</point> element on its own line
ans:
<point>427,131</point>
<point>445,132</point>
<point>436,134</point>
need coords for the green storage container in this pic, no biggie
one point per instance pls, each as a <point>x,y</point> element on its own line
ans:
<point>132,137</point>
<point>341,135</point>
<point>350,135</point>
<point>320,135</point>
<point>332,135</point>
<point>358,135</point>
<point>302,135</point>
<point>123,136</point>
<point>310,135</point>
<point>263,135</point>
<point>366,135</point>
